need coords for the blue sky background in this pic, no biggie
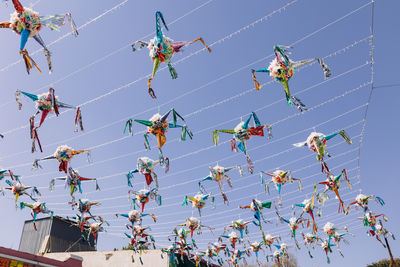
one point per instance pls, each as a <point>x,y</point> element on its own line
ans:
<point>213,91</point>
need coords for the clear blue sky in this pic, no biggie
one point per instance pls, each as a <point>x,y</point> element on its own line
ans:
<point>206,108</point>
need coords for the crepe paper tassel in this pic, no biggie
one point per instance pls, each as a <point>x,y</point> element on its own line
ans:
<point>345,137</point>
<point>185,201</point>
<point>28,61</point>
<point>324,167</point>
<point>142,44</point>
<point>159,200</point>
<point>161,157</point>
<point>172,71</point>
<point>186,131</point>
<point>297,103</point>
<point>129,126</point>
<point>35,192</point>
<point>256,83</point>
<point>379,200</point>
<point>89,156</point>
<point>300,185</point>
<point>97,186</point>
<point>322,198</point>
<point>344,172</point>
<point>228,180</point>
<point>194,243</point>
<point>22,205</point>
<point>12,176</point>
<point>233,145</point>
<point>241,170</point>
<point>32,125</point>
<point>151,92</point>
<point>18,99</point>
<point>325,68</point>
<point>202,189</point>
<point>48,54</point>
<point>215,137</point>
<point>262,178</point>
<point>34,136</point>
<point>250,165</point>
<point>78,120</point>
<point>134,203</point>
<point>146,142</point>
<point>129,177</point>
<point>129,196</point>
<point>166,165</point>
<point>269,131</point>
<point>225,198</point>
<point>155,179</point>
<point>266,187</point>
<point>213,202</point>
<point>175,116</point>
<point>74,29</point>
<point>52,184</point>
<point>53,101</point>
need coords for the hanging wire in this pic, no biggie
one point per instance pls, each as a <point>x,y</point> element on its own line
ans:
<point>371,53</point>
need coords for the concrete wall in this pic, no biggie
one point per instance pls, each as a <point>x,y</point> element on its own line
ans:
<point>115,258</point>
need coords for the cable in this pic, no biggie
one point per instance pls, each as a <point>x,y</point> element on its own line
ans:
<point>210,147</point>
<point>204,165</point>
<point>194,180</point>
<point>176,98</point>
<point>233,209</point>
<point>278,101</point>
<point>325,102</point>
<point>284,228</point>
<point>114,52</point>
<point>387,85</point>
<point>286,215</point>
<point>230,36</point>
<point>213,105</point>
<point>335,21</point>
<point>287,118</point>
<point>326,216</point>
<point>165,67</point>
<point>233,201</point>
<point>371,43</point>
<point>268,157</point>
<point>214,214</point>
<point>69,33</point>
<point>277,231</point>
<point>34,4</point>
<point>22,127</point>
<point>287,240</point>
<point>183,183</point>
<point>192,54</point>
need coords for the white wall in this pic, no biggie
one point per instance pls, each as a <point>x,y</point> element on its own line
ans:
<point>115,258</point>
